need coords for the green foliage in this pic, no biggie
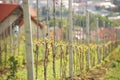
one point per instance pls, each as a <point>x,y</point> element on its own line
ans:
<point>58,23</point>
<point>81,21</point>
<point>12,68</point>
<point>20,61</point>
<point>115,70</point>
<point>115,63</point>
<point>79,56</point>
<point>118,60</point>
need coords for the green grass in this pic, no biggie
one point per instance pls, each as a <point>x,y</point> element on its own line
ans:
<point>114,72</point>
<point>22,72</point>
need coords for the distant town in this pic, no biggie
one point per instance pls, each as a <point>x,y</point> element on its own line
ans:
<point>102,7</point>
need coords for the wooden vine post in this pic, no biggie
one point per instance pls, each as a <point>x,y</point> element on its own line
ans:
<point>11,39</point>
<point>104,49</point>
<point>28,41</point>
<point>61,17</point>
<point>98,48</point>
<point>47,19</point>
<point>70,26</point>
<point>5,49</point>
<point>18,42</point>
<point>61,53</point>
<point>55,38</point>
<point>88,39</point>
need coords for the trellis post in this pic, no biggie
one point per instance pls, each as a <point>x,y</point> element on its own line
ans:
<point>70,25</point>
<point>11,38</point>
<point>28,41</point>
<point>88,38</point>
<point>104,52</point>
<point>98,49</point>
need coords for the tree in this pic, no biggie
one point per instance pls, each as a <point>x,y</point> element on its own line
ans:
<point>80,21</point>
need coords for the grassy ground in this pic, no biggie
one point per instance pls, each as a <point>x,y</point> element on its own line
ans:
<point>96,73</point>
<point>107,70</point>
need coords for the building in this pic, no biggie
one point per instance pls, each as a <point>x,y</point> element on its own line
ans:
<point>12,15</point>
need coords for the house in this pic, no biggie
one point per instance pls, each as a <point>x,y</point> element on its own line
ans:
<point>107,33</point>
<point>8,15</point>
<point>79,33</point>
<point>12,15</point>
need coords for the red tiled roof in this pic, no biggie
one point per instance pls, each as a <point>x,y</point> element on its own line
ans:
<point>40,24</point>
<point>6,10</point>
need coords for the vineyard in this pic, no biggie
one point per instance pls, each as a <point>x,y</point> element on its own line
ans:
<point>56,42</point>
<point>52,60</point>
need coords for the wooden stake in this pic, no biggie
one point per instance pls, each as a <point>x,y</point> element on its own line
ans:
<point>88,39</point>
<point>70,25</point>
<point>28,41</point>
<point>55,38</point>
<point>98,49</point>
